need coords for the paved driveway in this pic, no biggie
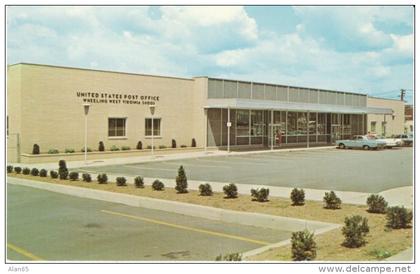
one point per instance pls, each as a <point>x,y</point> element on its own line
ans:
<point>346,170</point>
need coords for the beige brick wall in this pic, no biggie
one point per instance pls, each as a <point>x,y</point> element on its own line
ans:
<point>52,114</point>
<point>394,124</point>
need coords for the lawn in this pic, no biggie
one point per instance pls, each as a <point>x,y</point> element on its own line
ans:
<point>381,242</point>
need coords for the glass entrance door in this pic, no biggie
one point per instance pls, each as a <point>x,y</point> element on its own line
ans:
<point>278,136</point>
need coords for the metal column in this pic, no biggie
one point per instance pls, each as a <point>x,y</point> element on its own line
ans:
<point>228,130</point>
<point>272,133</point>
<point>307,129</point>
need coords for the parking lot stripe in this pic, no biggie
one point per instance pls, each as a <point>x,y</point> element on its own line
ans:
<point>24,252</point>
<point>199,230</point>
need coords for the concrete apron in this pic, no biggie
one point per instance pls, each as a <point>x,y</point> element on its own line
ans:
<point>217,214</point>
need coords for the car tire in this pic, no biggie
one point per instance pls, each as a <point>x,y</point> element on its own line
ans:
<point>342,146</point>
<point>365,147</point>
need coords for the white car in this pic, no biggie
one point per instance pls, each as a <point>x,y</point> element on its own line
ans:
<point>391,142</point>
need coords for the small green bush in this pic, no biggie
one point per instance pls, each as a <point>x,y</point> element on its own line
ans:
<point>43,173</point>
<point>86,177</point>
<point>173,143</point>
<point>331,200</point>
<point>158,185</point>
<point>125,148</point>
<point>26,171</point>
<point>138,182</point>
<point>376,204</point>
<point>298,197</point>
<point>121,181</point>
<point>114,148</point>
<point>9,169</point>
<point>88,149</point>
<point>193,143</point>
<point>229,257</point>
<point>231,191</point>
<point>53,151</point>
<point>101,146</point>
<point>260,195</point>
<point>53,174</point>
<point>150,147</point>
<point>34,172</point>
<point>398,217</point>
<point>183,146</point>
<point>102,178</point>
<point>139,145</point>
<point>205,190</point>
<point>63,174</point>
<point>69,150</point>
<point>35,149</point>
<point>354,230</point>
<point>162,147</point>
<point>181,181</point>
<point>73,176</point>
<point>303,246</point>
<point>62,170</point>
<point>18,169</point>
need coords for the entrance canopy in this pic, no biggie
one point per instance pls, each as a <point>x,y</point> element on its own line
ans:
<point>236,103</point>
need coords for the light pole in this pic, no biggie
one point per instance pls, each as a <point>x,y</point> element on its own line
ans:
<point>86,109</point>
<point>152,111</point>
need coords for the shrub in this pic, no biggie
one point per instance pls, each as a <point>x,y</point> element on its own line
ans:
<point>62,170</point>
<point>331,201</point>
<point>35,149</point>
<point>53,151</point>
<point>18,169</point>
<point>354,230</point>
<point>69,150</point>
<point>88,149</point>
<point>298,197</point>
<point>229,257</point>
<point>162,146</point>
<point>9,169</point>
<point>121,181</point>
<point>26,171</point>
<point>139,145</point>
<point>54,174</point>
<point>34,172</point>
<point>102,178</point>
<point>114,148</point>
<point>73,176</point>
<point>205,190</point>
<point>398,217</point>
<point>193,143</point>
<point>260,195</point>
<point>125,148</point>
<point>376,204</point>
<point>231,191</point>
<point>158,185</point>
<point>173,143</point>
<point>183,146</point>
<point>101,146</point>
<point>86,177</point>
<point>43,173</point>
<point>181,181</point>
<point>138,182</point>
<point>303,246</point>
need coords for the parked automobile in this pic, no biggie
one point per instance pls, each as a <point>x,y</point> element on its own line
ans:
<point>407,139</point>
<point>361,141</point>
<point>391,142</point>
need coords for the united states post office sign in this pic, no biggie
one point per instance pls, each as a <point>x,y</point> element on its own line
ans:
<point>116,98</point>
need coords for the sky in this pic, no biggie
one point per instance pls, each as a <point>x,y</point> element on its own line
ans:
<point>366,49</point>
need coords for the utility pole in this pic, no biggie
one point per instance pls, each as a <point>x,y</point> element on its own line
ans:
<point>402,94</point>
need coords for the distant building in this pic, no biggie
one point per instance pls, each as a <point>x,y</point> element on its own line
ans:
<point>409,125</point>
<point>386,125</point>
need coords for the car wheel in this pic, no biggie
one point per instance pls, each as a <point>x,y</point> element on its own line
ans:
<point>365,147</point>
<point>342,146</point>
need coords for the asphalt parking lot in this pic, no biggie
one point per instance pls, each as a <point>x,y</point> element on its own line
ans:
<point>345,170</point>
<point>43,225</point>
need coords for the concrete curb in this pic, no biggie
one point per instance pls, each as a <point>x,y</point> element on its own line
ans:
<point>217,214</point>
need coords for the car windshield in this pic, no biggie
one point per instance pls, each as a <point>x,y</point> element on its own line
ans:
<point>372,137</point>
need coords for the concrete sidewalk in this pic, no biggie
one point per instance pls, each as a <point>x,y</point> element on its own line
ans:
<point>404,256</point>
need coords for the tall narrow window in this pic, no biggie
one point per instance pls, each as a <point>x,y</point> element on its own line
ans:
<point>373,127</point>
<point>116,127</point>
<point>156,126</point>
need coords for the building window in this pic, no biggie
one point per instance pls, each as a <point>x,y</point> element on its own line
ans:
<point>242,123</point>
<point>116,127</point>
<point>383,128</point>
<point>156,127</point>
<point>373,127</point>
<point>257,123</point>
